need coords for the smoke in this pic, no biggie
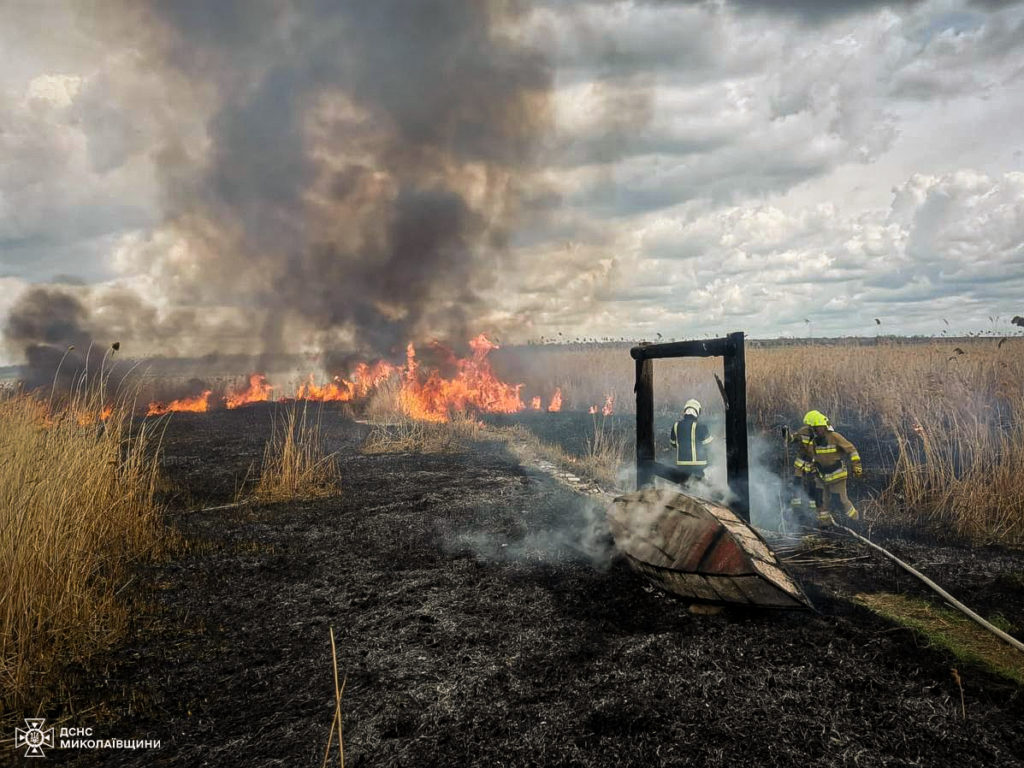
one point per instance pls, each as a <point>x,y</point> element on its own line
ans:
<point>582,534</point>
<point>345,176</point>
<point>50,325</point>
<point>367,162</point>
<point>769,488</point>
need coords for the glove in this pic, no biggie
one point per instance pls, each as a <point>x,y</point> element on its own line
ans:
<point>853,514</point>
<point>858,470</point>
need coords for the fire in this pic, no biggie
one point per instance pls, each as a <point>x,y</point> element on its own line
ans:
<point>474,387</point>
<point>258,391</point>
<point>339,390</point>
<point>423,394</point>
<point>368,377</point>
<point>556,401</point>
<point>86,417</point>
<point>608,409</point>
<point>198,404</point>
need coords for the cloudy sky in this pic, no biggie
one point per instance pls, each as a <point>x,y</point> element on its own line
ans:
<point>611,168</point>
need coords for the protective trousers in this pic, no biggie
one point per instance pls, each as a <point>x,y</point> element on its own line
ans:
<point>833,495</point>
<point>804,491</point>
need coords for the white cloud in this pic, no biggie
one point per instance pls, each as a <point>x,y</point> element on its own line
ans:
<point>716,168</point>
<point>956,239</point>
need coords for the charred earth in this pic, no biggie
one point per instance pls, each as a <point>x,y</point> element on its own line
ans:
<point>478,623</point>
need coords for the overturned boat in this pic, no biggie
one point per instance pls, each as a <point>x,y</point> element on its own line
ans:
<point>699,550</point>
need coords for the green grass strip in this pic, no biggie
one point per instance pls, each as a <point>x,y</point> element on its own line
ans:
<point>951,630</point>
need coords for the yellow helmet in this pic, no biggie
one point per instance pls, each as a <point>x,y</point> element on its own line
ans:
<point>815,419</point>
<point>692,406</point>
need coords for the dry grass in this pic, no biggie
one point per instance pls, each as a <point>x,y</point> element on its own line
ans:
<point>295,462</point>
<point>77,509</point>
<point>607,453</point>
<point>401,434</point>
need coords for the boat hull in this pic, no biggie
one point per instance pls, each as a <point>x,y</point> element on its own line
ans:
<point>699,550</point>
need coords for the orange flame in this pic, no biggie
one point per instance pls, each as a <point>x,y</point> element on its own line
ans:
<point>609,405</point>
<point>258,391</point>
<point>85,418</point>
<point>339,390</point>
<point>368,377</point>
<point>424,393</point>
<point>474,387</point>
<point>556,401</point>
<point>198,404</point>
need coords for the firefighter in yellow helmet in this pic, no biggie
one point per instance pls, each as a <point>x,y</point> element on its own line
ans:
<point>805,490</point>
<point>824,454</point>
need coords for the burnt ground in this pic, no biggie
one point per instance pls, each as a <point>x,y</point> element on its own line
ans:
<point>473,631</point>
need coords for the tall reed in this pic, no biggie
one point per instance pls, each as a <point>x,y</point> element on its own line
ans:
<point>77,508</point>
<point>296,464</point>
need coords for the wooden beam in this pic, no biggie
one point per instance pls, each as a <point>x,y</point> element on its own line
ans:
<point>709,348</point>
<point>736,461</point>
<point>644,422</point>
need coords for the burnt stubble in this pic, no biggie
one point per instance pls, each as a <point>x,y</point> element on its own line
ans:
<point>469,637</point>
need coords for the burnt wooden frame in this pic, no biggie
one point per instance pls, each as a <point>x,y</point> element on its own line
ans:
<point>731,348</point>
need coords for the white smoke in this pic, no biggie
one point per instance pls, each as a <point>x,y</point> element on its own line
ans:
<point>582,535</point>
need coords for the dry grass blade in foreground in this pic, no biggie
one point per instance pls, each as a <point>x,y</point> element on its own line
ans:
<point>77,508</point>
<point>339,691</point>
<point>295,463</point>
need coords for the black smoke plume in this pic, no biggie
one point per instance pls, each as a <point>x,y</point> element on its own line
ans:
<point>366,161</point>
<point>50,326</point>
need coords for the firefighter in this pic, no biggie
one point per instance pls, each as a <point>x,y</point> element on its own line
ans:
<point>805,490</point>
<point>690,438</point>
<point>829,453</point>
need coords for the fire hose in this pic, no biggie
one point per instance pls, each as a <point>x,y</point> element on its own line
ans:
<point>939,590</point>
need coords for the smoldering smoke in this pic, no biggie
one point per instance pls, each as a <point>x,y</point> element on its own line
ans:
<point>365,164</point>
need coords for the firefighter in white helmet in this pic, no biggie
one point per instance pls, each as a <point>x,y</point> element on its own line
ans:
<point>690,437</point>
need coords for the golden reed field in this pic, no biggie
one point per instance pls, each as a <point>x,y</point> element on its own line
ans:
<point>77,509</point>
<point>942,420</point>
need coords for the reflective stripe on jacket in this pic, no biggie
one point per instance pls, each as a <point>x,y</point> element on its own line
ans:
<point>830,449</point>
<point>828,478</point>
<point>689,437</point>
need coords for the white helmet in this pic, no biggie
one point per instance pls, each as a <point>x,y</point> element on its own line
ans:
<point>691,407</point>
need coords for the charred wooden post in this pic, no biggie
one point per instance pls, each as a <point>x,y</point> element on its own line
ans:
<point>737,469</point>
<point>731,348</point>
<point>644,422</point>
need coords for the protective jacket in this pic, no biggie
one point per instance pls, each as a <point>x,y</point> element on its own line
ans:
<point>804,438</point>
<point>828,453</point>
<point>690,439</point>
